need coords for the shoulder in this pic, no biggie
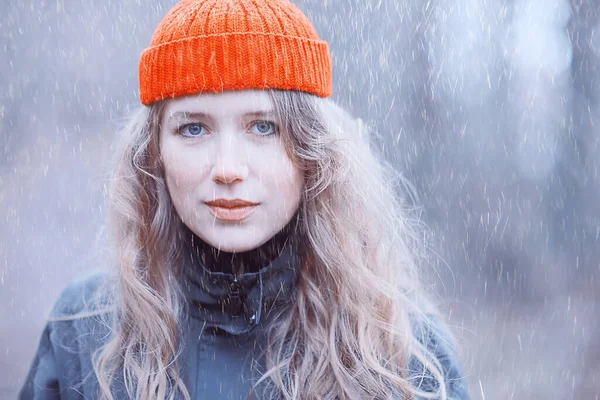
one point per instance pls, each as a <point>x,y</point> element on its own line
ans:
<point>88,293</point>
<point>435,336</point>
<point>80,319</point>
<point>74,330</point>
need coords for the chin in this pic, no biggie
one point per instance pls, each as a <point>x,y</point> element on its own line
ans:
<point>235,242</point>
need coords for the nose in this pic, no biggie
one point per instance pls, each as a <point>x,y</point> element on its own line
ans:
<point>230,165</point>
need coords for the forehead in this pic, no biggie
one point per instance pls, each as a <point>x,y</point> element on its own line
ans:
<point>222,105</point>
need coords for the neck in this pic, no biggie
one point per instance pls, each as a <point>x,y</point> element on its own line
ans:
<point>238,263</point>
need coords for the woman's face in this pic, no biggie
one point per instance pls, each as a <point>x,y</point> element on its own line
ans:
<point>217,148</point>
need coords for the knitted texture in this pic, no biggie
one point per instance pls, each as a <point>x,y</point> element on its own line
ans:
<point>216,45</point>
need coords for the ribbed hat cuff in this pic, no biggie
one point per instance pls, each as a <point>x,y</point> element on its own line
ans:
<point>234,61</point>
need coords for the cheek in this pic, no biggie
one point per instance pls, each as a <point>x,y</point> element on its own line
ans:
<point>177,173</point>
<point>286,179</point>
<point>183,169</point>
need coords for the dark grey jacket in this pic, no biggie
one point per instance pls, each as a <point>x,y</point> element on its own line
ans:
<point>222,337</point>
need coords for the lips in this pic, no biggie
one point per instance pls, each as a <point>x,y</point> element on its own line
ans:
<point>230,203</point>
<point>231,210</point>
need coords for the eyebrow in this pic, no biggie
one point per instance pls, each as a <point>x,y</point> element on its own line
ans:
<point>198,115</point>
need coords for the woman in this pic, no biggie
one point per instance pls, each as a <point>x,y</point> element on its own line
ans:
<point>260,251</point>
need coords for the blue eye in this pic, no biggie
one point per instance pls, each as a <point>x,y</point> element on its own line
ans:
<point>265,128</point>
<point>190,130</point>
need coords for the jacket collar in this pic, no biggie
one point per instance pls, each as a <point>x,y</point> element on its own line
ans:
<point>238,303</point>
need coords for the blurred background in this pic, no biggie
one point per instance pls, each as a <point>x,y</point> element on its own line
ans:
<point>489,107</point>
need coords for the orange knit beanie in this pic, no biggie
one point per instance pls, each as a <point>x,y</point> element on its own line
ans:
<point>215,45</point>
